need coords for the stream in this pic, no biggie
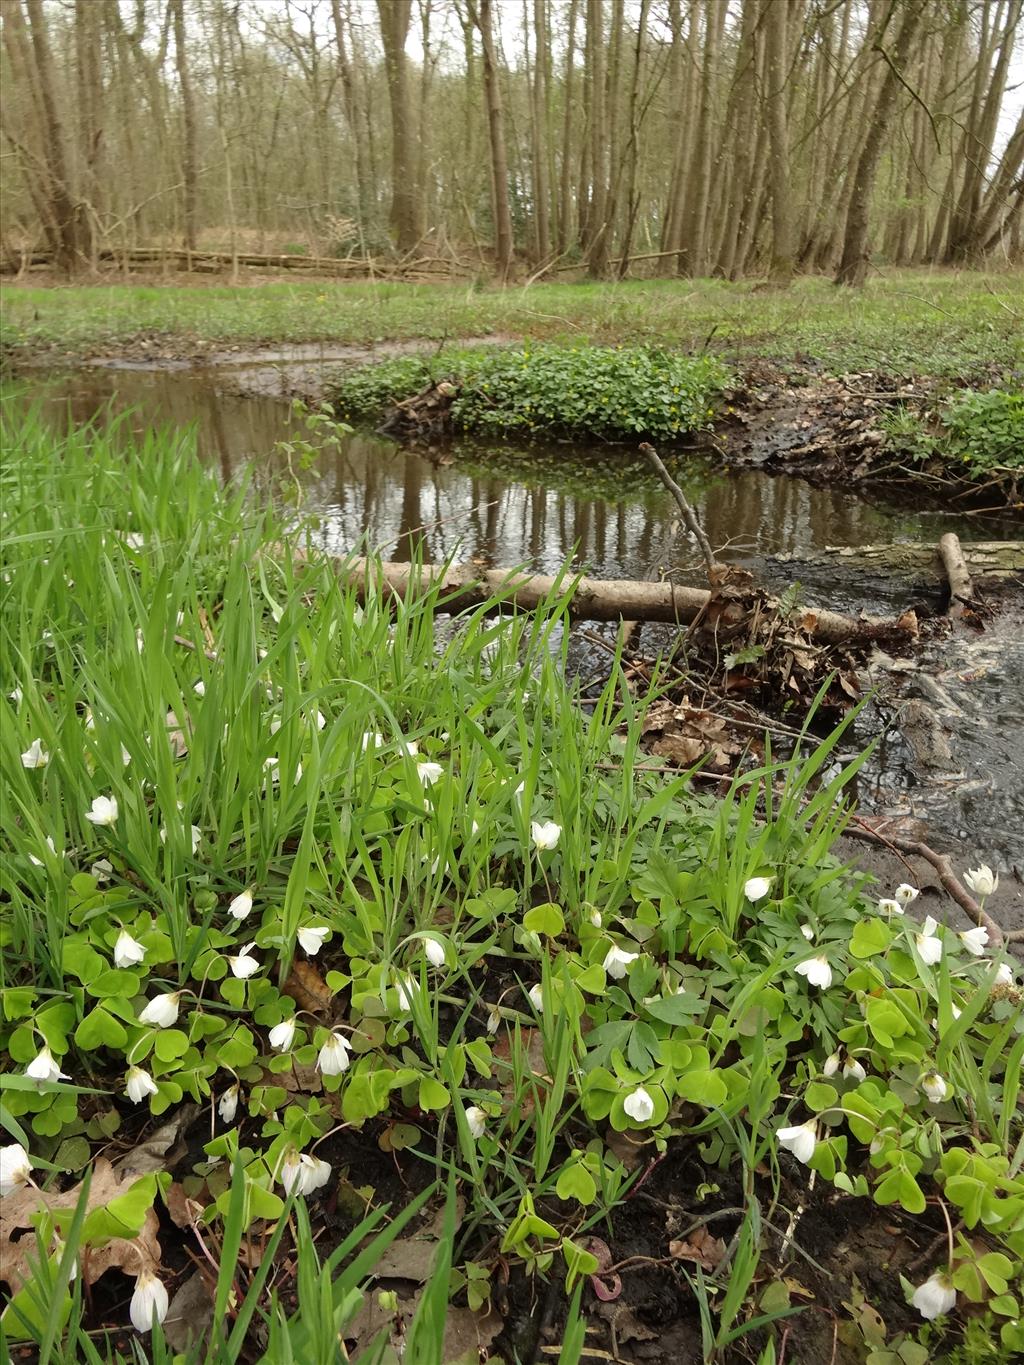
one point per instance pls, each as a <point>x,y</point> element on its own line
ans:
<point>600,510</point>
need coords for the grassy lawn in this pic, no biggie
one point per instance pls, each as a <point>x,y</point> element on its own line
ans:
<point>925,322</point>
<point>379,898</point>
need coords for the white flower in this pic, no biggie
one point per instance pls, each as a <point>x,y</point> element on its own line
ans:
<point>243,965</point>
<point>148,1301</point>
<point>372,739</point>
<point>320,720</point>
<point>801,1140</point>
<point>832,1064</point>
<point>595,918</point>
<point>889,907</point>
<point>199,688</point>
<point>493,1020</point>
<point>617,961</point>
<point>282,1035</point>
<point>162,1010</point>
<point>974,940</point>
<point>436,955</point>
<point>429,773</point>
<point>406,988</point>
<point>302,1174</point>
<point>311,938</point>
<point>16,696</point>
<point>757,888</point>
<point>518,793</point>
<point>905,894</point>
<point>38,862</point>
<point>140,640</point>
<point>807,932</point>
<point>135,540</point>
<point>42,1067</point>
<point>138,1084</point>
<point>104,810</point>
<point>127,950</point>
<point>928,945</point>
<point>852,1070</point>
<point>982,880</point>
<point>35,756</point>
<point>935,1297</point>
<point>408,747</point>
<point>227,1105</point>
<point>15,1168</point>
<point>334,1055</point>
<point>102,869</point>
<point>934,1087</point>
<point>816,970</point>
<point>241,905</point>
<point>639,1105</point>
<point>476,1120</point>
<point>545,835</point>
<point>1004,976</point>
<point>536,994</point>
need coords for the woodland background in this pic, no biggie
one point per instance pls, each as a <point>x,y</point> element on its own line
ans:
<point>516,137</point>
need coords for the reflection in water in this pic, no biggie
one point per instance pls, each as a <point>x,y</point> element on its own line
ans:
<point>542,506</point>
<point>539,507</point>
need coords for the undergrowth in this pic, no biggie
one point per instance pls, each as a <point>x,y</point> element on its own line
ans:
<point>334,874</point>
<point>611,393</point>
<point>977,432</point>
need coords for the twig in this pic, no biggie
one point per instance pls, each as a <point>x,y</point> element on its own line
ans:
<point>943,865</point>
<point>689,515</point>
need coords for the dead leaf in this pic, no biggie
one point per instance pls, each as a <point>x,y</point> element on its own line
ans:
<point>412,1258</point>
<point>467,1335</point>
<point>17,1235</point>
<point>189,1315</point>
<point>307,988</point>
<point>156,1154</point>
<point>701,1246</point>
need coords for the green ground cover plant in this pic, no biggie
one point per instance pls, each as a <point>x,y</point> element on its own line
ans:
<point>979,432</point>
<point>603,392</point>
<point>224,773</point>
<point>953,324</point>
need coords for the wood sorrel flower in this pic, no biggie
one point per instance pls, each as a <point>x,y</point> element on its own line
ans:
<point>148,1302</point>
<point>801,1140</point>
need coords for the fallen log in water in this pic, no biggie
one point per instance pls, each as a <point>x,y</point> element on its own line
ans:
<point>983,559</point>
<point>594,599</point>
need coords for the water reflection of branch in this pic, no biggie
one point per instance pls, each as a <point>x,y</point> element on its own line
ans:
<point>439,521</point>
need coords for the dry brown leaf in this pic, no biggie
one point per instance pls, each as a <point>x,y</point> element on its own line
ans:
<point>18,1242</point>
<point>412,1257</point>
<point>307,988</point>
<point>701,1246</point>
<point>190,1314</point>
<point>162,1149</point>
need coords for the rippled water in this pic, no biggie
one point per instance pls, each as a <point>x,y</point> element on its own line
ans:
<point>595,506</point>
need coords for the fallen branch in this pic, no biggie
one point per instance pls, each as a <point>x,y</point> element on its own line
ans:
<point>943,865</point>
<point>689,515</point>
<point>593,599</point>
<point>960,589</point>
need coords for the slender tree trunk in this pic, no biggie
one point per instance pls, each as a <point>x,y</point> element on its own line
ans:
<point>776,16</point>
<point>853,266</point>
<point>499,152</point>
<point>406,211</point>
<point>565,198</point>
<point>539,128</point>
<point>189,159</point>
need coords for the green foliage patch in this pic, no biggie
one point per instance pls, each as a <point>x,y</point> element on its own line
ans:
<point>977,432</point>
<point>609,392</point>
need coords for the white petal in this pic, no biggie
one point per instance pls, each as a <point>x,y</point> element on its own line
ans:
<point>974,940</point>
<point>150,1299</point>
<point>639,1105</point>
<point>801,1140</point>
<point>757,888</point>
<point>476,1120</point>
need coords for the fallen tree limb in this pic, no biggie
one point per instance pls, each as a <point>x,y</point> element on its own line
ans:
<point>983,559</point>
<point>960,589</point>
<point>943,865</point>
<point>466,585</point>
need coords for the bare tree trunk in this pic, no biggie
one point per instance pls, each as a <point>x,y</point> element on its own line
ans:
<point>188,122</point>
<point>482,17</point>
<point>71,226</point>
<point>565,199</point>
<point>776,16</point>
<point>406,211</point>
<point>853,266</point>
<point>596,242</point>
<point>539,130</point>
